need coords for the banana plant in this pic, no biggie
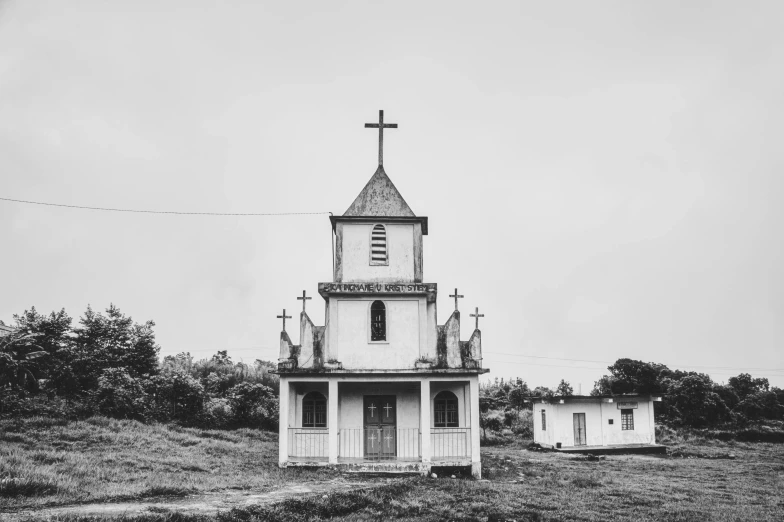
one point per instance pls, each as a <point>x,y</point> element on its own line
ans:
<point>19,361</point>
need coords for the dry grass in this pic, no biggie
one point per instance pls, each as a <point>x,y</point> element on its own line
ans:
<point>50,462</point>
<point>522,485</point>
<point>102,459</point>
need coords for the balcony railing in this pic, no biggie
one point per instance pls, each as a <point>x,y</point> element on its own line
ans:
<point>379,444</point>
<point>448,443</point>
<point>361,444</point>
<point>309,442</point>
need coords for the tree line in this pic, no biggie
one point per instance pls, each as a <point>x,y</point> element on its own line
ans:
<point>689,399</point>
<point>108,364</point>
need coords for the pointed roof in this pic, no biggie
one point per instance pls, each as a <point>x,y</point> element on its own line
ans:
<point>380,198</point>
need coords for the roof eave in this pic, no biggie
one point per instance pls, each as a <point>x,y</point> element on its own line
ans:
<point>385,219</point>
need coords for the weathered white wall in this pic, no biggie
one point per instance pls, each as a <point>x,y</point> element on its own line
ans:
<point>406,334</point>
<point>442,443</point>
<point>355,255</point>
<point>598,430</point>
<point>431,349</point>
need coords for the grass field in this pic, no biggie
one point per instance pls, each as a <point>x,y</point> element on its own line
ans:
<point>50,462</point>
<point>45,462</point>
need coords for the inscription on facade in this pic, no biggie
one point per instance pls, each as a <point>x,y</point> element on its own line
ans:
<point>391,288</point>
<point>627,405</point>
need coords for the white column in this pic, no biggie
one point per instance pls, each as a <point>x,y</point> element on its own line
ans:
<point>283,423</point>
<point>424,418</point>
<point>476,458</point>
<point>332,421</point>
<point>601,421</point>
<point>651,422</point>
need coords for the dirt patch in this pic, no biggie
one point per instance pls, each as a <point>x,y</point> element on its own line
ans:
<point>203,504</point>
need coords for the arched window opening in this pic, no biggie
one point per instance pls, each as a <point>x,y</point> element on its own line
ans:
<point>378,321</point>
<point>314,411</point>
<point>378,245</point>
<point>446,411</point>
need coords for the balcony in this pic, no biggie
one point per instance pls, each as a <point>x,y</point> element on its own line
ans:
<point>372,445</point>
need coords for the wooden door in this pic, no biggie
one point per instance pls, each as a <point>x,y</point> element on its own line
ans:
<point>579,429</point>
<point>380,426</point>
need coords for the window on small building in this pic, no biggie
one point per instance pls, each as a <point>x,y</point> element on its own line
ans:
<point>446,411</point>
<point>544,420</point>
<point>378,321</point>
<point>378,245</point>
<point>314,411</point>
<point>627,419</point>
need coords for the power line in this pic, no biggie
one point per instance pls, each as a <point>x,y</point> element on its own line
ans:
<point>542,357</point>
<point>549,365</point>
<point>737,368</point>
<point>723,374</point>
<point>173,212</point>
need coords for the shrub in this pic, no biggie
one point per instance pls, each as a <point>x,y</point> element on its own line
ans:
<point>492,420</point>
<point>175,394</point>
<point>254,405</point>
<point>523,424</point>
<point>216,414</point>
<point>120,395</point>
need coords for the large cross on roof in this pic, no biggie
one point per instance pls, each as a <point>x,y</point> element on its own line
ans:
<point>381,126</point>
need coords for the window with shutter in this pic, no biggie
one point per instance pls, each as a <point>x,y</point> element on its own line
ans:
<point>378,246</point>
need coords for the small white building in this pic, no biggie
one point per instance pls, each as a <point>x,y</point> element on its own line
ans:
<point>381,386</point>
<point>582,421</point>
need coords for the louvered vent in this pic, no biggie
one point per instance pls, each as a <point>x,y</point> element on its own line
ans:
<point>378,246</point>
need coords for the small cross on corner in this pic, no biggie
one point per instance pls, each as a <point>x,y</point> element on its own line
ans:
<point>304,299</point>
<point>284,317</point>
<point>477,315</point>
<point>456,296</point>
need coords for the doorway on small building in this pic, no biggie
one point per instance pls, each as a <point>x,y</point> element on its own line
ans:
<point>380,426</point>
<point>579,429</point>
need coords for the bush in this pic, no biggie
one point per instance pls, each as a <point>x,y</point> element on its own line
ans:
<point>523,424</point>
<point>217,413</point>
<point>492,420</point>
<point>119,395</point>
<point>175,394</point>
<point>254,405</point>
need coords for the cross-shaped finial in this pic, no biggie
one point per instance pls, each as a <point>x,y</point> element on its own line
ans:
<point>456,296</point>
<point>284,317</point>
<point>477,315</point>
<point>381,126</point>
<point>303,299</point>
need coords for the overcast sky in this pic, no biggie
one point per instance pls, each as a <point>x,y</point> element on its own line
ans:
<point>603,179</point>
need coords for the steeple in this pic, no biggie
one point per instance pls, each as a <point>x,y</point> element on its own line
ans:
<point>380,201</point>
<point>380,197</point>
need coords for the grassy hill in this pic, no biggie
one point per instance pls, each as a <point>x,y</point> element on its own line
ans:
<point>46,462</point>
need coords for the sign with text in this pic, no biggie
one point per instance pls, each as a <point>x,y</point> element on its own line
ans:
<point>627,405</point>
<point>376,288</point>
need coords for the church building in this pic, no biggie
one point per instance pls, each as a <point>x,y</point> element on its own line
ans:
<point>381,386</point>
